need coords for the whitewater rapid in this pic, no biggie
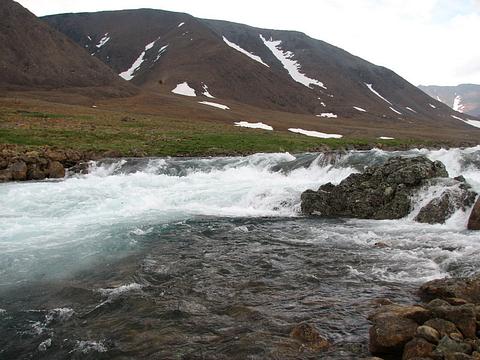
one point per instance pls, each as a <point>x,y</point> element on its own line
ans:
<point>49,227</point>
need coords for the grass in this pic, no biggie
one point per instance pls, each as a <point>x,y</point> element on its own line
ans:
<point>153,135</point>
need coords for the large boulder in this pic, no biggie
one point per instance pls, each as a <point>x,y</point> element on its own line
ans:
<point>381,192</point>
<point>55,170</point>
<point>452,288</point>
<point>474,221</point>
<point>390,334</point>
<point>19,170</point>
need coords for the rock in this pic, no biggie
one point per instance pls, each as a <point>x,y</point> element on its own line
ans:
<point>5,175</point>
<point>458,356</point>
<point>381,192</point>
<point>466,288</point>
<point>457,196</point>
<point>56,170</point>
<point>417,348</point>
<point>80,168</point>
<point>19,171</point>
<point>310,337</point>
<point>474,220</point>
<point>444,327</point>
<point>35,173</point>
<point>55,155</point>
<point>428,333</point>
<point>416,313</point>
<point>463,316</point>
<point>390,334</point>
<point>448,346</point>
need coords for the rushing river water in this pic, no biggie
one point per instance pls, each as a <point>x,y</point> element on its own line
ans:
<point>209,258</point>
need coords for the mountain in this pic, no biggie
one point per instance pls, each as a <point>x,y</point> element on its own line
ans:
<point>463,98</point>
<point>34,55</point>
<point>285,71</point>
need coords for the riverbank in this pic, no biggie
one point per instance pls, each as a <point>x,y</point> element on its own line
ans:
<point>443,327</point>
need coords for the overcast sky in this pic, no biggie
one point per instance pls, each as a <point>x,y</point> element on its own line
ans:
<point>430,42</point>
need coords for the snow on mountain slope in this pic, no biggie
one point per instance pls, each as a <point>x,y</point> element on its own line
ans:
<point>243,51</point>
<point>463,98</point>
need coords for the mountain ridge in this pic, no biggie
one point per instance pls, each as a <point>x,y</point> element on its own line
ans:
<point>464,98</point>
<point>197,53</point>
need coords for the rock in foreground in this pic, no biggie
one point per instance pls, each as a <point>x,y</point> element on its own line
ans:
<point>386,192</point>
<point>474,221</point>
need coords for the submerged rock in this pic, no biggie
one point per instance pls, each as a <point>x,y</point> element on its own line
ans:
<point>474,221</point>
<point>310,337</point>
<point>381,192</point>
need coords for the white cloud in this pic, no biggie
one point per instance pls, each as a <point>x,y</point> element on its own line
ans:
<point>427,41</point>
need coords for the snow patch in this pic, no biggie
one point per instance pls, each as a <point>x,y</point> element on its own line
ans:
<point>386,138</point>
<point>328,115</point>
<point>292,66</point>
<point>432,106</point>
<point>359,109</point>
<point>103,41</point>
<point>181,24</point>
<point>323,104</point>
<point>245,52</point>
<point>160,52</point>
<point>130,73</point>
<point>206,93</point>
<point>457,104</point>
<point>474,123</point>
<point>411,109</point>
<point>219,106</point>
<point>184,89</point>
<point>89,38</point>
<point>456,117</point>
<point>315,134</point>
<point>370,87</point>
<point>258,125</point>
<point>396,111</point>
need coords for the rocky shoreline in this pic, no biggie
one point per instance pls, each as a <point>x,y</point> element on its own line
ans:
<point>445,327</point>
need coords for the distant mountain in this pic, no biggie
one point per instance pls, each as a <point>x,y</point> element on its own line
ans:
<point>34,55</point>
<point>286,71</point>
<point>463,98</point>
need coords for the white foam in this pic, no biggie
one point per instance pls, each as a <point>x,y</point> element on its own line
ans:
<point>120,290</point>
<point>292,66</point>
<point>257,125</point>
<point>316,134</point>
<point>89,346</point>
<point>328,115</point>
<point>130,73</point>
<point>359,109</point>
<point>219,106</point>
<point>184,89</point>
<point>370,87</point>
<point>245,52</point>
<point>44,345</point>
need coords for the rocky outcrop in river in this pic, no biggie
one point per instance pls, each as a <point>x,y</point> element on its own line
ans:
<point>474,221</point>
<point>21,165</point>
<point>443,328</point>
<point>386,192</point>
